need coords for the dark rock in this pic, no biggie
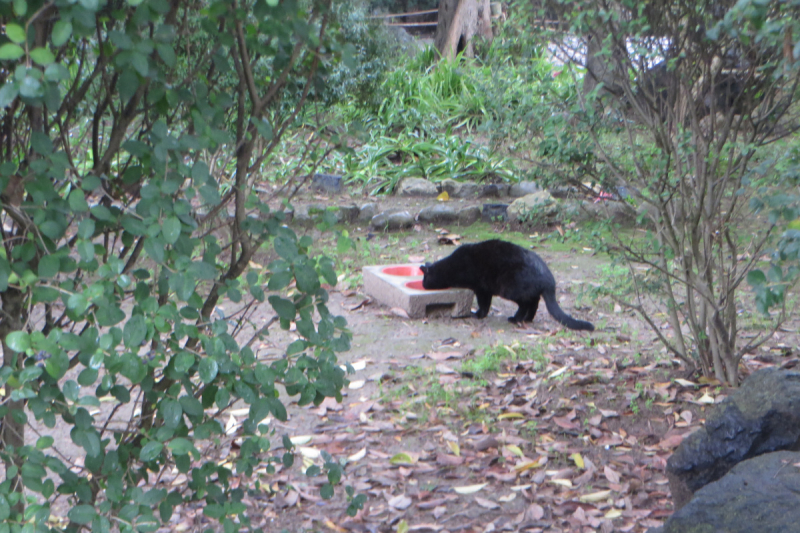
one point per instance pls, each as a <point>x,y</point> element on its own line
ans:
<point>348,213</point>
<point>366,212</point>
<point>392,220</point>
<point>416,187</point>
<point>494,190</point>
<point>457,189</point>
<point>438,213</point>
<point>326,183</point>
<point>762,416</point>
<point>469,215</point>
<point>757,495</point>
<point>494,212</point>
<point>523,188</point>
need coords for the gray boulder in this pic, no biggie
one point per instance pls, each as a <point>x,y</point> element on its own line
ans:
<point>762,416</point>
<point>518,190</point>
<point>416,187</point>
<point>441,213</point>
<point>538,204</point>
<point>306,215</point>
<point>469,215</point>
<point>583,210</point>
<point>328,183</point>
<point>758,495</point>
<point>457,189</point>
<point>392,220</point>
<point>367,211</point>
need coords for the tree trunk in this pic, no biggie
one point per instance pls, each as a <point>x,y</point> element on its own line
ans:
<point>600,69</point>
<point>12,429</point>
<point>459,21</point>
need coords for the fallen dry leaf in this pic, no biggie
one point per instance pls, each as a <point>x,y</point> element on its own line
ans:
<point>469,489</point>
<point>486,504</point>
<point>401,502</point>
<point>399,312</point>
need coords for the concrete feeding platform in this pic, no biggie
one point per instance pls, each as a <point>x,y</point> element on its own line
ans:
<point>401,286</point>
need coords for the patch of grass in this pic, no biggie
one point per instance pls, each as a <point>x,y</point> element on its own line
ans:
<point>498,356</point>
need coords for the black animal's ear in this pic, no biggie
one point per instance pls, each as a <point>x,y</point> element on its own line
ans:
<point>424,268</point>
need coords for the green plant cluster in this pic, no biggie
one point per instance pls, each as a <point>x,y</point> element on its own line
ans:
<point>129,273</point>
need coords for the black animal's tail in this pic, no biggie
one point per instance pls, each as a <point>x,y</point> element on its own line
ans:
<point>557,313</point>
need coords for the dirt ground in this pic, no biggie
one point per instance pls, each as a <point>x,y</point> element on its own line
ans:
<point>466,425</point>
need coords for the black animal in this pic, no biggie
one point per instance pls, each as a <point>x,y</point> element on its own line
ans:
<point>499,268</point>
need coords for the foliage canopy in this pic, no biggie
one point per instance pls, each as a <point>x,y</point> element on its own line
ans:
<point>132,134</point>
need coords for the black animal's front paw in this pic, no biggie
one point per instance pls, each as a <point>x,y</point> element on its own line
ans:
<point>479,314</point>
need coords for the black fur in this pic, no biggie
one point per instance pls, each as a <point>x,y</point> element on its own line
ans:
<point>499,268</point>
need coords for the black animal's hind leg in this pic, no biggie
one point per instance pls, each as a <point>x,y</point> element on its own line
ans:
<point>522,312</point>
<point>532,308</point>
<point>484,304</point>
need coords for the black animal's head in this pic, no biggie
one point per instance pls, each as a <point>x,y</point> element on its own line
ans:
<point>430,279</point>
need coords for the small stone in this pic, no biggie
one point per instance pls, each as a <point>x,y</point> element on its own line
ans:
<point>457,189</point>
<point>307,215</point>
<point>416,187</point>
<point>494,212</point>
<point>392,220</point>
<point>348,213</point>
<point>538,204</point>
<point>329,183</point>
<point>442,213</point>
<point>367,212</point>
<point>518,190</point>
<point>469,215</point>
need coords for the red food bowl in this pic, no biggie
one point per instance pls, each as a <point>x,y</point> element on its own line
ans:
<point>416,285</point>
<point>402,271</point>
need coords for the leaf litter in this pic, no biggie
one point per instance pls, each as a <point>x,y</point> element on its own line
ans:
<point>574,440</point>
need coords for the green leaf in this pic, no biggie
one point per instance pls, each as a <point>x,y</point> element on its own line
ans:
<point>756,278</point>
<point>140,63</point>
<point>86,228</point>
<point>180,446</point>
<point>42,56</point>
<point>15,33</point>
<point>11,52</point>
<point>44,442</point>
<point>134,332</point>
<point>8,94</point>
<point>307,278</point>
<point>62,30</point>
<point>208,369</point>
<point>30,86</point>
<point>150,451</point>
<point>283,307</point>
<point>19,341</point>
<point>77,201</point>
<point>167,54</point>
<point>49,266</point>
<point>171,230</point>
<point>171,412</point>
<point>77,302</point>
<point>5,510</point>
<point>82,514</point>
